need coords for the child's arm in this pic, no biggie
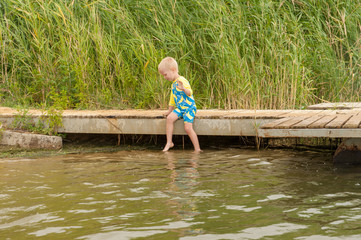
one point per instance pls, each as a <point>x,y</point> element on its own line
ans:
<point>170,109</point>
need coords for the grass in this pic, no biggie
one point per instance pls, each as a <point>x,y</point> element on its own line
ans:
<point>237,54</point>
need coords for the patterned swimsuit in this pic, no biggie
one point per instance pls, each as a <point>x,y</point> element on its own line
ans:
<point>185,106</point>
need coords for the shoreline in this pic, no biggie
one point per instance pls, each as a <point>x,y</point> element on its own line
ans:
<point>109,143</point>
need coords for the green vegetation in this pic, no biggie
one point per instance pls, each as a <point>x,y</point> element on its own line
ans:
<point>236,54</point>
<point>48,123</point>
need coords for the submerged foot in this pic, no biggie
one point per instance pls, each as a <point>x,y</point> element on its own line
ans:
<point>197,150</point>
<point>168,146</point>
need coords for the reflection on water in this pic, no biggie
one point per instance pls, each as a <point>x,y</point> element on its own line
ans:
<point>182,188</point>
<point>217,194</point>
<point>183,184</point>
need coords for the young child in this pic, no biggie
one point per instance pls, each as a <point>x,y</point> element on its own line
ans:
<point>181,103</point>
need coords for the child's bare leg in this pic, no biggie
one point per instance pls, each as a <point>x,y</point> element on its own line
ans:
<point>188,127</point>
<point>171,118</point>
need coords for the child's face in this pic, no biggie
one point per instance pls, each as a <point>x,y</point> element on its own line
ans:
<point>169,74</point>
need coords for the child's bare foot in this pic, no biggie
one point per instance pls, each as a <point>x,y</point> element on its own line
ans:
<point>197,150</point>
<point>168,146</point>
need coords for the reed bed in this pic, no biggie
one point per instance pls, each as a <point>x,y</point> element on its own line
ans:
<point>237,54</point>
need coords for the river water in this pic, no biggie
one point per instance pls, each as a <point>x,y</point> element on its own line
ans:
<point>218,194</point>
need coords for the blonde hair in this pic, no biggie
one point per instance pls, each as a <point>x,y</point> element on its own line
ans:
<point>168,63</point>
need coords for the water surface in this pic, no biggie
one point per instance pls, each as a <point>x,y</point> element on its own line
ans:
<point>218,194</point>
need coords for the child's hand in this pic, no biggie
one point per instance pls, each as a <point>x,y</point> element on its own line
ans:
<point>180,85</point>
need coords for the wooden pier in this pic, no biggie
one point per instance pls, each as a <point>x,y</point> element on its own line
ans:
<point>334,120</point>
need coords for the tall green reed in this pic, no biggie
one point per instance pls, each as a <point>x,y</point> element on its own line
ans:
<point>236,54</point>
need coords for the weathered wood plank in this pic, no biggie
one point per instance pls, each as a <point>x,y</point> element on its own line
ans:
<point>337,105</point>
<point>352,104</point>
<point>342,105</point>
<point>308,121</point>
<point>353,122</point>
<point>338,121</point>
<point>215,113</point>
<point>319,106</point>
<point>327,112</point>
<point>302,113</point>
<point>322,122</point>
<point>317,133</point>
<point>276,122</point>
<point>272,113</point>
<point>349,111</point>
<point>291,122</point>
<point>295,117</point>
<point>266,114</point>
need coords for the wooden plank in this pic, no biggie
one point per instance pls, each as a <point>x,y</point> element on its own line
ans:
<point>285,113</point>
<point>240,114</point>
<point>291,122</point>
<point>266,114</point>
<point>338,121</point>
<point>276,122</point>
<point>271,113</point>
<point>302,113</point>
<point>344,105</point>
<point>321,123</point>
<point>330,105</point>
<point>215,113</point>
<point>328,112</point>
<point>317,133</point>
<point>351,105</point>
<point>354,104</point>
<point>287,121</point>
<point>320,112</point>
<point>336,105</point>
<point>308,121</point>
<point>353,122</point>
<point>319,106</point>
<point>315,106</point>
<point>313,118</point>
